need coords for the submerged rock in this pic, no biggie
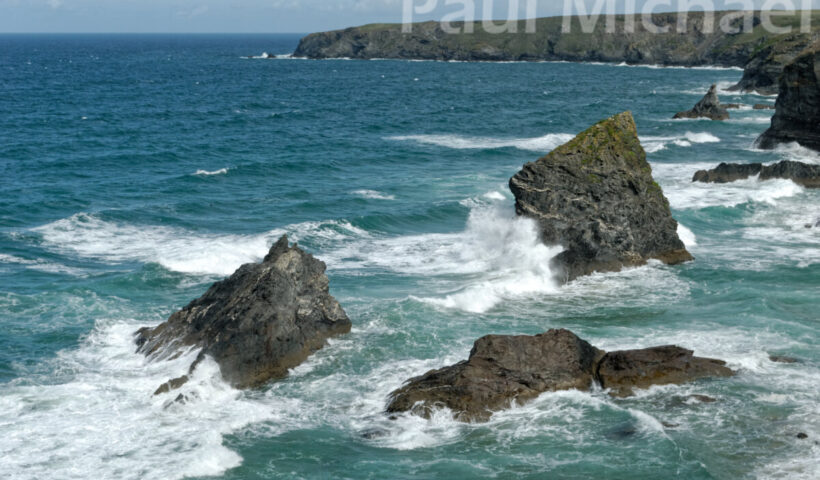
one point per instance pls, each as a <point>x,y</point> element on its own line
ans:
<point>595,196</point>
<point>506,369</point>
<point>762,106</point>
<point>797,111</point>
<point>803,174</point>
<point>261,321</point>
<point>708,107</point>
<point>783,359</point>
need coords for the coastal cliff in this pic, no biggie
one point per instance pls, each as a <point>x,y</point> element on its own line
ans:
<point>761,53</point>
<point>797,112</point>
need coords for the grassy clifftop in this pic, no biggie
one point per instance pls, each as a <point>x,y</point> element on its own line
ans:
<point>698,45</point>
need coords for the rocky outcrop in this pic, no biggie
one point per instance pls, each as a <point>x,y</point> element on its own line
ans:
<point>261,321</point>
<point>803,174</point>
<point>627,369</point>
<point>728,172</point>
<point>708,107</point>
<point>595,196</point>
<point>797,111</point>
<point>506,369</point>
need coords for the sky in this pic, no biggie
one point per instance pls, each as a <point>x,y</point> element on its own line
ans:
<point>284,16</point>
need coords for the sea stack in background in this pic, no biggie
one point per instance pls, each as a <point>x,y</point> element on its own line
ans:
<point>595,196</point>
<point>503,369</point>
<point>262,320</point>
<point>708,107</point>
<point>797,111</point>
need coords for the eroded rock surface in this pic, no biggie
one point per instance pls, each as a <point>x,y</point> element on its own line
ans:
<point>264,319</point>
<point>506,369</point>
<point>595,196</point>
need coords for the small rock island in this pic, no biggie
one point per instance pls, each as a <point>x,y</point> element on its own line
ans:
<point>504,369</point>
<point>262,320</point>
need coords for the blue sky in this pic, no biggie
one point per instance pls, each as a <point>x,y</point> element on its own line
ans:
<point>252,15</point>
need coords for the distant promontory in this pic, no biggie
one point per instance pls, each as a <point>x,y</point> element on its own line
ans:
<point>760,52</point>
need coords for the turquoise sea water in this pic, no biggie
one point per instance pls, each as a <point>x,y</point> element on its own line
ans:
<point>139,169</point>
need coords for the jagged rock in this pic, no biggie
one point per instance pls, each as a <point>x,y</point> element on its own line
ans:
<point>762,106</point>
<point>261,321</point>
<point>501,369</point>
<point>708,107</point>
<point>797,110</point>
<point>800,173</point>
<point>627,369</point>
<point>506,369</point>
<point>596,197</point>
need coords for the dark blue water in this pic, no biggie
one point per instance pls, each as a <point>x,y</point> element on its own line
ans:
<point>139,169</point>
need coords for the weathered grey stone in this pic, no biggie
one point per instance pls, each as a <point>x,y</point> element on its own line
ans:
<point>595,196</point>
<point>261,321</point>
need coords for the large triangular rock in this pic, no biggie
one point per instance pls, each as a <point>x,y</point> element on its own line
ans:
<point>596,197</point>
<point>261,321</point>
<point>708,107</point>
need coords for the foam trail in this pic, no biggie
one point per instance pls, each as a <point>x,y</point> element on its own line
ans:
<point>373,194</point>
<point>221,171</point>
<point>176,249</point>
<point>655,144</point>
<point>537,144</point>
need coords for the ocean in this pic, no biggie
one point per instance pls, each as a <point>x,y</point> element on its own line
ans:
<point>139,169</point>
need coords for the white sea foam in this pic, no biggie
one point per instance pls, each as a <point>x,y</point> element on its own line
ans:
<point>206,173</point>
<point>176,249</point>
<point>537,144</point>
<point>99,415</point>
<point>373,194</point>
<point>687,236</point>
<point>654,144</point>
<point>500,251</point>
<point>685,194</point>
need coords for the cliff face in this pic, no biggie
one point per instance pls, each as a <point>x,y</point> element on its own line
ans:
<point>697,46</point>
<point>797,112</point>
